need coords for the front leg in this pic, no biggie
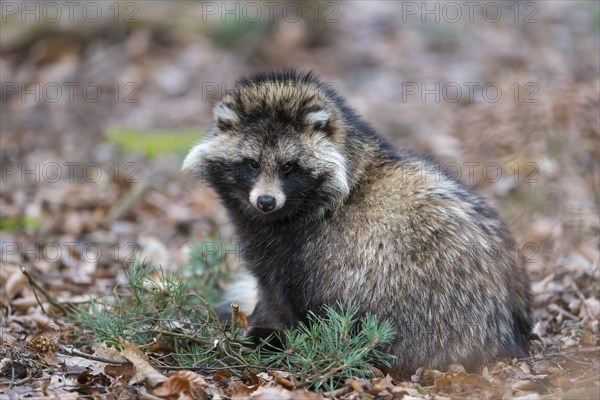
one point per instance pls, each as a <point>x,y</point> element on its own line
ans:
<point>270,315</point>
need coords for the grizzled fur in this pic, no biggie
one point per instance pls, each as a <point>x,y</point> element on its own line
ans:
<point>354,219</point>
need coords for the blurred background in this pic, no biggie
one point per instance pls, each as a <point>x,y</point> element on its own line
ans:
<point>101,101</point>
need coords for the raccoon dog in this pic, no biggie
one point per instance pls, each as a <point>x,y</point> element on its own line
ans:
<point>326,210</point>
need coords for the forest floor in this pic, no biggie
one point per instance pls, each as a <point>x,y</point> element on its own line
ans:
<point>96,119</point>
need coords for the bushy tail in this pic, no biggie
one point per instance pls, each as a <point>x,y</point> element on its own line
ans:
<point>242,291</point>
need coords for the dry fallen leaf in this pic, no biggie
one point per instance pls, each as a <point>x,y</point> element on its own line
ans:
<point>427,376</point>
<point>589,339</point>
<point>85,378</point>
<point>356,385</point>
<point>243,392</point>
<point>222,376</point>
<point>110,353</point>
<point>456,368</point>
<point>527,396</point>
<point>14,283</point>
<point>527,385</point>
<point>272,393</point>
<point>462,381</point>
<point>125,371</point>
<point>183,383</point>
<point>591,308</point>
<point>542,286</point>
<point>286,383</point>
<point>144,372</point>
<point>120,390</point>
<point>279,393</point>
<point>561,381</point>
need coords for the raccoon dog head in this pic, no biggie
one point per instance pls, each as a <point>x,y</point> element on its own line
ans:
<point>276,148</point>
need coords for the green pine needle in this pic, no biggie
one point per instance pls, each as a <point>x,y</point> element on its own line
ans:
<point>334,347</point>
<point>158,308</point>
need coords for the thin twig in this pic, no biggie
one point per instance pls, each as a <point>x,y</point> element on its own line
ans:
<point>190,368</point>
<point>554,307</point>
<point>235,309</point>
<point>23,381</point>
<point>207,307</point>
<point>125,203</point>
<point>76,353</point>
<point>338,392</point>
<point>563,354</point>
<point>36,286</point>
<point>187,336</point>
<point>333,371</point>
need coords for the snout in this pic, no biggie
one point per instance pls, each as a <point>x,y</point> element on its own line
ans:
<point>267,197</point>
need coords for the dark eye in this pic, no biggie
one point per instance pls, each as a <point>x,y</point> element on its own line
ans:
<point>287,168</point>
<point>253,164</point>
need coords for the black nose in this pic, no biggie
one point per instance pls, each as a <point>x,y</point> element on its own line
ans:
<point>265,203</point>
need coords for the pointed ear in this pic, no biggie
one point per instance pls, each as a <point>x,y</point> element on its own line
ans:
<point>318,119</point>
<point>225,117</point>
